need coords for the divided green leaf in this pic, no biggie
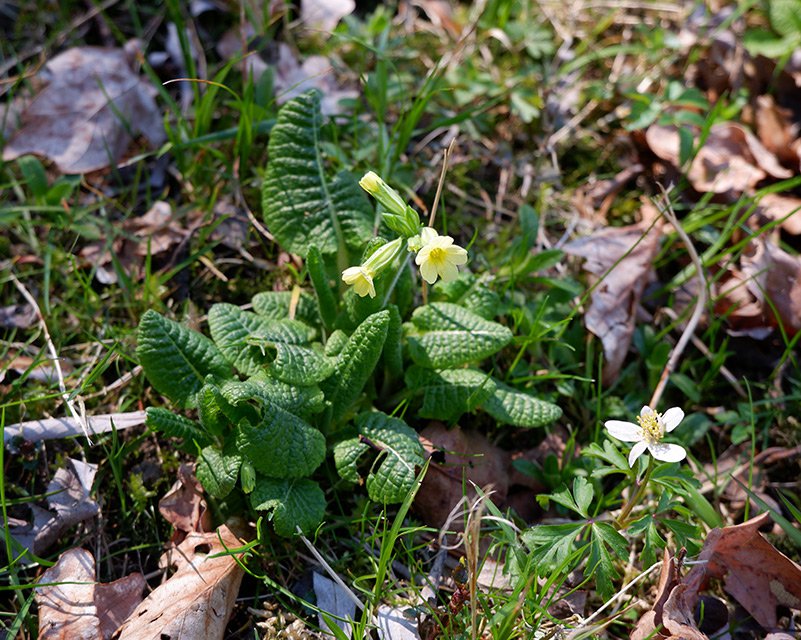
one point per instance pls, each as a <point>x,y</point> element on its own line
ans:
<point>176,360</point>
<point>294,503</point>
<point>302,204</point>
<point>443,335</point>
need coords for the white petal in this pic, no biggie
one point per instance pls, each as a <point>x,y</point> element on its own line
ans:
<point>625,431</point>
<point>672,418</point>
<point>667,452</point>
<point>646,410</point>
<point>448,271</point>
<point>636,452</point>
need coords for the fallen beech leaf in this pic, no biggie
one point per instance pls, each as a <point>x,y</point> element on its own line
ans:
<point>732,159</point>
<point>753,571</point>
<point>774,129</point>
<point>17,316</point>
<point>81,608</point>
<point>81,119</point>
<point>183,506</point>
<point>69,497</point>
<point>198,599</point>
<point>775,206</point>
<point>744,314</point>
<point>775,281</point>
<point>51,428</point>
<point>614,301</point>
<point>324,15</point>
<point>672,613</point>
<point>459,458</point>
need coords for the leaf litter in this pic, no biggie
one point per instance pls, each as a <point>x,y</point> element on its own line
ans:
<point>89,105</point>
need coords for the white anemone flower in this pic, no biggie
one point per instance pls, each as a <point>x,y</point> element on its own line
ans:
<point>438,257</point>
<point>648,434</point>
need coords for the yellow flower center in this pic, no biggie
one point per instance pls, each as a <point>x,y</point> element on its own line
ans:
<point>437,255</point>
<point>652,428</point>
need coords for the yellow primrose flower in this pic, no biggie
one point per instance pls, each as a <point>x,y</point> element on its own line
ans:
<point>439,257</point>
<point>648,434</point>
<point>360,279</point>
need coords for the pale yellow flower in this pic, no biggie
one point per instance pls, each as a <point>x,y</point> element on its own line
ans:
<point>360,279</point>
<point>439,257</point>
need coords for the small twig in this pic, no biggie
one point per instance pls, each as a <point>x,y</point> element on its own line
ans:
<point>333,574</point>
<point>79,417</point>
<point>700,303</point>
<point>446,155</point>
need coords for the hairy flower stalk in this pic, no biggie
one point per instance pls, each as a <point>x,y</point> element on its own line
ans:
<point>362,277</point>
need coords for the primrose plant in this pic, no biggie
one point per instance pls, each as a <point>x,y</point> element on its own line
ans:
<point>346,364</point>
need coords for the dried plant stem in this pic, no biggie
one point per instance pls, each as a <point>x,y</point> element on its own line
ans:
<point>667,211</point>
<point>80,418</point>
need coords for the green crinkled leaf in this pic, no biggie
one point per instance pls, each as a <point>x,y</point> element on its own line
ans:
<point>355,363</point>
<point>509,406</point>
<point>335,343</point>
<point>176,359</point>
<point>326,301</point>
<point>176,426</point>
<point>295,503</point>
<point>275,306</point>
<point>302,204</point>
<point>218,470</point>
<point>242,335</point>
<point>443,335</point>
<point>294,363</point>
<point>449,393</point>
<point>302,401</point>
<point>394,470</point>
<point>472,293</point>
<point>216,414</point>
<point>392,354</point>
<point>282,444</point>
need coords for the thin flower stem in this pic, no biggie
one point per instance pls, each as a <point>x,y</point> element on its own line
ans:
<point>622,520</point>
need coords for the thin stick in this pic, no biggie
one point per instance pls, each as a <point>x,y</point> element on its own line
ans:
<point>700,303</point>
<point>445,158</point>
<point>330,571</point>
<point>79,417</point>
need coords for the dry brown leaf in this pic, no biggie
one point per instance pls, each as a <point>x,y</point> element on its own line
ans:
<point>753,571</point>
<point>17,316</point>
<point>744,314</point>
<point>199,597</point>
<point>81,608</point>
<point>732,160</point>
<point>183,506</point>
<point>775,281</point>
<point>69,497</point>
<point>775,206</point>
<point>324,15</point>
<point>458,458</point>
<point>774,129</point>
<point>82,116</point>
<point>672,613</point>
<point>614,301</point>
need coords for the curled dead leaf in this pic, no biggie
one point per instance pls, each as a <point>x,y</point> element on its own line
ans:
<point>754,572</point>
<point>184,506</point>
<point>198,599</point>
<point>732,160</point>
<point>72,606</point>
<point>611,314</point>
